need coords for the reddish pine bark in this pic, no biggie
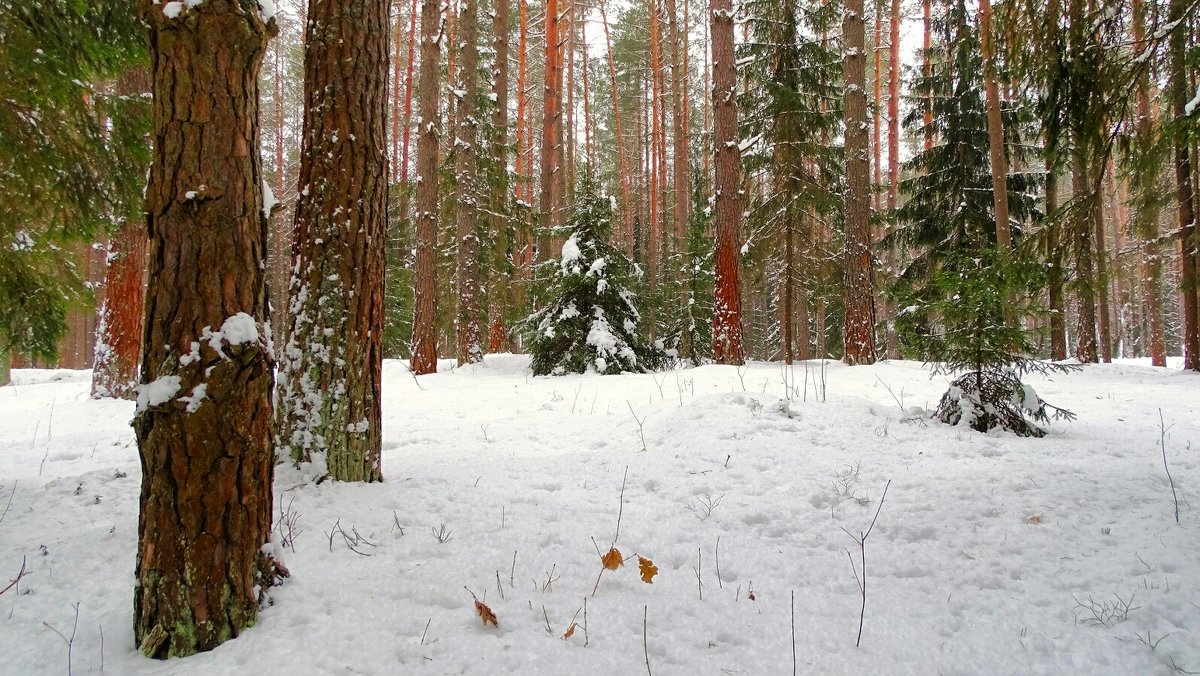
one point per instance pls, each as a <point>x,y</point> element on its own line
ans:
<point>995,127</point>
<point>119,335</point>
<point>727,308</point>
<point>424,341</point>
<point>203,423</point>
<point>858,300</point>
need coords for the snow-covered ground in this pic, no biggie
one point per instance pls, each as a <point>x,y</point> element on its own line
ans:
<point>991,554</point>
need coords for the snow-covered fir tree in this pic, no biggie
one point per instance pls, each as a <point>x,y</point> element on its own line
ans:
<point>590,321</point>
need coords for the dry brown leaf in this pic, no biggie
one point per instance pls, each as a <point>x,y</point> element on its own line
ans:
<point>486,614</point>
<point>570,631</point>
<point>1036,518</point>
<point>612,560</point>
<point>648,570</point>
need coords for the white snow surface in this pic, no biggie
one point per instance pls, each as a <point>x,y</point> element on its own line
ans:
<point>986,554</point>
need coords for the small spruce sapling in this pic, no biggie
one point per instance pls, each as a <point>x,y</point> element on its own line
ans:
<point>959,326</point>
<point>590,321</point>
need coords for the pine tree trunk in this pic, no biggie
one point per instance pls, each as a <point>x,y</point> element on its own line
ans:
<point>470,333</point>
<point>627,204</point>
<point>406,129</point>
<point>926,68</point>
<point>551,132</point>
<point>502,287</point>
<point>1086,348</point>
<point>893,196</point>
<point>118,338</point>
<point>1054,261</point>
<point>119,324</point>
<point>679,170</point>
<point>1103,309</point>
<point>1146,219</point>
<point>334,347</point>
<point>5,361</point>
<point>1189,246</point>
<point>995,126</point>
<point>203,423</point>
<point>727,308</point>
<point>425,291</point>
<point>859,335</point>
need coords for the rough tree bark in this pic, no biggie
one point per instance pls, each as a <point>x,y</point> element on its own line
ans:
<point>727,308</point>
<point>1146,218</point>
<point>859,334</point>
<point>498,220</point>
<point>203,420</point>
<point>1189,248</point>
<point>332,363</point>
<point>424,340</point>
<point>119,324</point>
<point>893,194</point>
<point>470,347</point>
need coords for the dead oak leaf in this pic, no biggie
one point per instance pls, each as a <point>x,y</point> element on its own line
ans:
<point>647,569</point>
<point>570,631</point>
<point>612,560</point>
<point>486,614</point>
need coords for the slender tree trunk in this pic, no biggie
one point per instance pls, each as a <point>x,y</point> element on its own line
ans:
<point>203,420</point>
<point>1086,348</point>
<point>1146,218</point>
<point>679,170</point>
<point>893,195</point>
<point>627,204</point>
<point>995,126</point>
<point>926,67</point>
<point>859,334</point>
<point>877,112</point>
<point>424,341</point>
<point>5,361</point>
<point>406,130</point>
<point>119,327</point>
<point>334,346</point>
<point>551,131</point>
<point>470,333</point>
<point>1189,246</point>
<point>1103,281</point>
<point>727,310</point>
<point>1054,261</point>
<point>502,288</point>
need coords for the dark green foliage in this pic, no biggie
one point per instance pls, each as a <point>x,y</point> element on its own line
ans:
<point>956,296</point>
<point>398,282</point>
<point>72,155</point>
<point>689,331</point>
<point>590,321</point>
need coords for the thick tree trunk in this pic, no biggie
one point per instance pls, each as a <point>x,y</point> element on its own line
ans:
<point>727,309</point>
<point>332,364</point>
<point>5,361</point>
<point>119,324</point>
<point>119,338</point>
<point>424,341</point>
<point>203,420</point>
<point>470,333</point>
<point>859,334</point>
<point>1189,247</point>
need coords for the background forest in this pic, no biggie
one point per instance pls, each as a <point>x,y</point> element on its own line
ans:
<point>1085,106</point>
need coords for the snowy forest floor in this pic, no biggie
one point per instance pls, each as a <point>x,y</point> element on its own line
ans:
<point>992,554</point>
